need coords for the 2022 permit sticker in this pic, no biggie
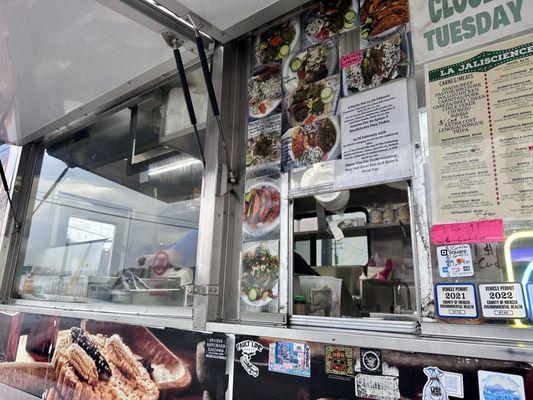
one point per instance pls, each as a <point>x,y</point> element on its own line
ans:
<point>248,349</point>
<point>339,361</point>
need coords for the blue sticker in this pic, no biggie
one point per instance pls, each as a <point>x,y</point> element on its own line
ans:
<point>529,293</point>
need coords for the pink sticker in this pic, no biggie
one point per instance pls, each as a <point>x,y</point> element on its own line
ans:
<point>350,59</point>
<point>468,232</point>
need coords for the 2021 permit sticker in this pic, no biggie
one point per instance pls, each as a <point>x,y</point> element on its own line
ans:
<point>496,386</point>
<point>456,300</point>
<point>339,361</point>
<point>248,349</point>
<point>377,387</point>
<point>455,261</point>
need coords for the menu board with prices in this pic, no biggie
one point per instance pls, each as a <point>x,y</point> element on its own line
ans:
<point>456,300</point>
<point>480,110</point>
<point>502,300</point>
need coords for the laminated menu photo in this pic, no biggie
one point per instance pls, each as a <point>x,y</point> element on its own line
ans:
<point>262,204</point>
<point>327,18</point>
<point>275,43</point>
<point>265,91</point>
<point>264,144</point>
<point>381,19</point>
<point>311,131</point>
<point>371,67</point>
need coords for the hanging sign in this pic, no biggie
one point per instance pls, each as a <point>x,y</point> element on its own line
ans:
<point>456,300</point>
<point>455,261</point>
<point>376,139</point>
<point>444,27</point>
<point>502,300</point>
<point>481,142</point>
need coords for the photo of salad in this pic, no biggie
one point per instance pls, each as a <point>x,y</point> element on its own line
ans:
<point>315,142</point>
<point>377,65</point>
<point>311,65</point>
<point>378,16</point>
<point>313,101</point>
<point>328,18</point>
<point>260,273</point>
<point>277,42</point>
<point>262,203</point>
<point>265,91</point>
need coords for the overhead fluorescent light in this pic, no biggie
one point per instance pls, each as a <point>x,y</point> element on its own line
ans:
<point>174,166</point>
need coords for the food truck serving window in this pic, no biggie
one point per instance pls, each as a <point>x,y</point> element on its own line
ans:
<point>104,226</point>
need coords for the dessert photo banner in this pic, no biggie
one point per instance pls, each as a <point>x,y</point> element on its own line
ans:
<point>65,358</point>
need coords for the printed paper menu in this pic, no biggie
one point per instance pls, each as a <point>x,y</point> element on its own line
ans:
<point>480,109</point>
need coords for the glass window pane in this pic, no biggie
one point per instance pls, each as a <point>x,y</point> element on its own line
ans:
<point>102,228</point>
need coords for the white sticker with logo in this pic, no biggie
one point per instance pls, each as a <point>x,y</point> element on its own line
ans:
<point>377,387</point>
<point>248,349</point>
<point>502,300</point>
<point>495,385</point>
<point>455,261</point>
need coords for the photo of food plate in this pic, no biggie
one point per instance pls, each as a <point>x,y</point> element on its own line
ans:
<point>376,65</point>
<point>265,91</point>
<point>263,148</point>
<point>315,142</point>
<point>262,203</point>
<point>313,101</point>
<point>379,16</point>
<point>260,273</point>
<point>277,42</point>
<point>328,18</point>
<point>313,64</point>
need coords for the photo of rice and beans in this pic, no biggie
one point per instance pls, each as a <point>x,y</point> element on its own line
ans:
<point>277,42</point>
<point>313,64</point>
<point>328,18</point>
<point>376,65</point>
<point>265,91</point>
<point>260,273</point>
<point>313,101</point>
<point>379,16</point>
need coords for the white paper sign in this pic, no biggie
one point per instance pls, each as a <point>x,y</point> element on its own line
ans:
<point>376,139</point>
<point>502,300</point>
<point>443,27</point>
<point>456,300</point>
<point>453,383</point>
<point>495,385</point>
<point>455,261</point>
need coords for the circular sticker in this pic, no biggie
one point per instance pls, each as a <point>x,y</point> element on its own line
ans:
<point>371,361</point>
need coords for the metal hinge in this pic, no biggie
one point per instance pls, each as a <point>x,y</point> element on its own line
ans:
<point>206,290</point>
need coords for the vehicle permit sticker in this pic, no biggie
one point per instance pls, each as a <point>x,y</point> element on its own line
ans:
<point>456,300</point>
<point>529,291</point>
<point>502,300</point>
<point>377,387</point>
<point>455,261</point>
<point>496,385</point>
